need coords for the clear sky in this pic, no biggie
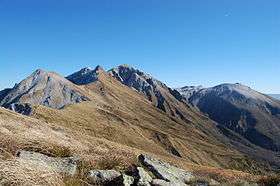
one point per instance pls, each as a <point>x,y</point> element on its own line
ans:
<point>180,42</point>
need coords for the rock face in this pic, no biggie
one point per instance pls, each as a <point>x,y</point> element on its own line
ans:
<point>104,177</point>
<point>4,93</point>
<point>85,76</point>
<point>165,171</point>
<point>189,91</point>
<point>41,88</point>
<point>61,165</point>
<point>241,109</point>
<point>22,108</point>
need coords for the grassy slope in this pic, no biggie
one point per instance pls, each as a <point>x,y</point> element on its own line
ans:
<point>20,132</point>
<point>119,114</point>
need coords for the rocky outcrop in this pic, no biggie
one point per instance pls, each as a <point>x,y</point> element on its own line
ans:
<point>152,172</point>
<point>128,180</point>
<point>85,76</point>
<point>143,177</point>
<point>22,108</point>
<point>3,93</point>
<point>41,88</point>
<point>189,91</point>
<point>104,177</point>
<point>165,171</point>
<point>68,166</point>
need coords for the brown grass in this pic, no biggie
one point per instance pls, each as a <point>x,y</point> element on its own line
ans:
<point>21,172</point>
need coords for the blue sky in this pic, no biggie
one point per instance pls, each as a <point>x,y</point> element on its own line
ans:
<point>181,42</point>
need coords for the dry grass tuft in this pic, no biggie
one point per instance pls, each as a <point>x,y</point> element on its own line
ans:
<point>21,172</point>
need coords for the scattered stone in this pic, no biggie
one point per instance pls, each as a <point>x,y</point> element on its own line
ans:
<point>144,179</point>
<point>127,180</point>
<point>61,165</point>
<point>103,176</point>
<point>165,171</point>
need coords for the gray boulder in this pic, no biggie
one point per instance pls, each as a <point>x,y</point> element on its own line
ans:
<point>144,179</point>
<point>104,176</point>
<point>165,171</point>
<point>127,180</point>
<point>66,166</point>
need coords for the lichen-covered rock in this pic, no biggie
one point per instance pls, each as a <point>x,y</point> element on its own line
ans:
<point>60,165</point>
<point>127,180</point>
<point>103,176</point>
<point>144,179</point>
<point>165,171</point>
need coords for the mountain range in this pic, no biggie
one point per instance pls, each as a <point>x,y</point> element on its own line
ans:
<point>229,126</point>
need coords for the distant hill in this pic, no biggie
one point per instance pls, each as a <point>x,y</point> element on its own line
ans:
<point>241,109</point>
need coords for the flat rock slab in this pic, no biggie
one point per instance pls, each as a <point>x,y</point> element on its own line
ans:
<point>165,171</point>
<point>103,176</point>
<point>61,165</point>
<point>144,179</point>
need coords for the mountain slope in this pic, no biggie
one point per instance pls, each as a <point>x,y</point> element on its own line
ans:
<point>251,114</point>
<point>123,115</point>
<point>163,97</point>
<point>18,132</point>
<point>42,88</point>
<point>118,113</point>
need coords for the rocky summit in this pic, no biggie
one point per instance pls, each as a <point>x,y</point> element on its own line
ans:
<point>85,75</point>
<point>41,88</point>
<point>163,97</point>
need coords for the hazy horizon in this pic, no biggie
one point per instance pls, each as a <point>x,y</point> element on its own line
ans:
<point>179,42</point>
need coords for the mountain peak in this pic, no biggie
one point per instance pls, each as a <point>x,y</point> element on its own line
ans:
<point>85,76</point>
<point>42,88</point>
<point>98,68</point>
<point>39,70</point>
<point>86,69</point>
